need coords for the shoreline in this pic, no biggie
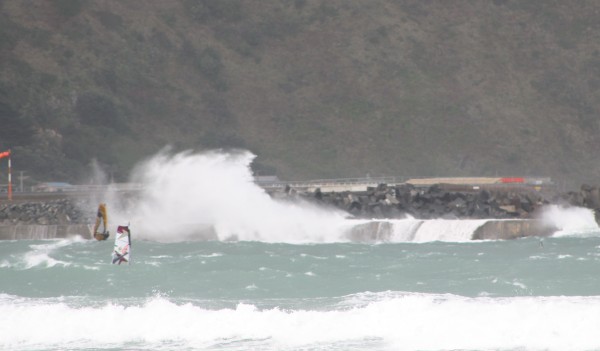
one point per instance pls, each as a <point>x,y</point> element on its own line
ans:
<point>370,232</point>
<point>509,213</point>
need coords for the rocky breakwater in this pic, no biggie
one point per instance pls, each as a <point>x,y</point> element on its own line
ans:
<point>434,202</point>
<point>510,212</point>
<point>44,219</point>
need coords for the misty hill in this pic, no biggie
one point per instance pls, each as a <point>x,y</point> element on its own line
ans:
<point>316,89</point>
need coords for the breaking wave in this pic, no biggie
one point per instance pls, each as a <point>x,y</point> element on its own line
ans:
<point>212,195</point>
<point>384,321</point>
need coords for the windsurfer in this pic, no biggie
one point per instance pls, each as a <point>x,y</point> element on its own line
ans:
<point>101,217</point>
<point>121,252</point>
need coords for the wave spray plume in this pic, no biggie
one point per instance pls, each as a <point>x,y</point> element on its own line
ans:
<point>187,194</point>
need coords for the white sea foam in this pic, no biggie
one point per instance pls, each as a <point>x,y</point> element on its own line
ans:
<point>40,254</point>
<point>447,230</point>
<point>397,321</point>
<point>571,221</point>
<point>415,230</point>
<point>215,254</point>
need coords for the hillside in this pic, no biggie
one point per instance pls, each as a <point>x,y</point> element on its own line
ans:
<point>316,89</point>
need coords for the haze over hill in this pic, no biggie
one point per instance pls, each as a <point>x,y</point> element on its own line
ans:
<point>315,89</point>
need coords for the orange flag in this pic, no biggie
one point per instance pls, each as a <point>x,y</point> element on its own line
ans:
<point>5,154</point>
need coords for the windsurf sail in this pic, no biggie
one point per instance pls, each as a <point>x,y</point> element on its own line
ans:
<point>101,217</point>
<point>122,251</point>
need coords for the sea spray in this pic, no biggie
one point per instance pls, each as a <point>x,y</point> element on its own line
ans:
<point>570,220</point>
<point>186,193</point>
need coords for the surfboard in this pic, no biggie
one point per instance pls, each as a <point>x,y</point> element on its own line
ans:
<point>122,250</point>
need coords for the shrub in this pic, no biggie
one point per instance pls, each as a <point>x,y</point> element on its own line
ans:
<point>204,10</point>
<point>15,130</point>
<point>109,20</point>
<point>209,63</point>
<point>68,8</point>
<point>98,110</point>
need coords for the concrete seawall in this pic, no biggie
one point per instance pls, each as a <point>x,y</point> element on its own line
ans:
<point>512,229</point>
<point>38,231</point>
<point>376,231</point>
<point>492,229</point>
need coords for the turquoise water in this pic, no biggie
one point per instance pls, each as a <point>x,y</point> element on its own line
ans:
<point>519,294</point>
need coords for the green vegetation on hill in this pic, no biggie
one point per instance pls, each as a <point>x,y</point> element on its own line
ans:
<point>315,88</point>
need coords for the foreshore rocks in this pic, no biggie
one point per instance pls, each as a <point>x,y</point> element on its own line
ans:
<point>54,212</point>
<point>437,201</point>
<point>46,219</point>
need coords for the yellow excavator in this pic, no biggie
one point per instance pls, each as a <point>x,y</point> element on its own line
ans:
<point>101,217</point>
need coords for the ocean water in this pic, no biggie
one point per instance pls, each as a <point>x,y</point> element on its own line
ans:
<point>492,295</point>
<point>283,275</point>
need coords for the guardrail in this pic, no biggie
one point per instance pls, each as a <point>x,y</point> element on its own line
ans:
<point>316,183</point>
<point>331,185</point>
<point>89,188</point>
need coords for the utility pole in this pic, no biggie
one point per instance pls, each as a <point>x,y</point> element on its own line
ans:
<point>2,155</point>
